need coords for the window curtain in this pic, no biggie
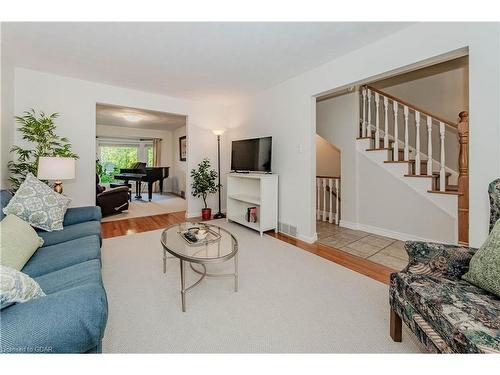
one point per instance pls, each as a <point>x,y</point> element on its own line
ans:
<point>157,161</point>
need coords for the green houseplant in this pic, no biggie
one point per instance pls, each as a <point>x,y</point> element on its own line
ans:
<point>204,183</point>
<point>39,132</point>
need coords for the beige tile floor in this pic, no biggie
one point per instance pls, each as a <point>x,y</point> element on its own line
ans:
<point>383,250</point>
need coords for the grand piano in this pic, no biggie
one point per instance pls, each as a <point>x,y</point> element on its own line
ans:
<point>140,173</point>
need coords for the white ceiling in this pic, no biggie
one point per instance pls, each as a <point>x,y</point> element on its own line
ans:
<point>201,61</point>
<point>114,115</point>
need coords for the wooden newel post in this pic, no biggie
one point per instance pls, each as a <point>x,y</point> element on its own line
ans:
<point>463,178</point>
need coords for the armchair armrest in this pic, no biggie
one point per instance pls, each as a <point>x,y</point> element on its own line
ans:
<point>75,215</point>
<point>440,260</point>
<point>118,190</point>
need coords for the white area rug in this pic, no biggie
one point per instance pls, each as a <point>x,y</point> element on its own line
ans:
<point>289,300</point>
<point>160,204</point>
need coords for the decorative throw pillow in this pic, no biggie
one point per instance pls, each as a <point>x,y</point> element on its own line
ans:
<point>38,204</point>
<point>16,286</point>
<point>18,243</point>
<point>484,267</point>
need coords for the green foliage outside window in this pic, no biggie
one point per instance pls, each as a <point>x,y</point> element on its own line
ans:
<point>115,157</point>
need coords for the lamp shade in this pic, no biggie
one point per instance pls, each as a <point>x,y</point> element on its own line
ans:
<point>218,131</point>
<point>56,168</point>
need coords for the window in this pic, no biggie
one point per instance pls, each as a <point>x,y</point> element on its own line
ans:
<point>149,155</point>
<point>116,153</point>
<point>114,157</point>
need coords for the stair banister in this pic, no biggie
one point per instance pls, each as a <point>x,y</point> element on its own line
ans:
<point>407,144</point>
<point>368,126</point>
<point>463,178</point>
<point>396,135</point>
<point>412,107</point>
<point>386,124</point>
<point>429,146</point>
<point>442,165</point>
<point>377,120</point>
<point>417,142</point>
<point>363,125</point>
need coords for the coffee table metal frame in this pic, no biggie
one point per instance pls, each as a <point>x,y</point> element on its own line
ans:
<point>183,258</point>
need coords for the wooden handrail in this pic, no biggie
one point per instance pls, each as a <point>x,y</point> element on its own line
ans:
<point>414,107</point>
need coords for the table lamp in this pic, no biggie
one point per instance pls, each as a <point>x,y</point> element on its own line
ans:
<point>56,168</point>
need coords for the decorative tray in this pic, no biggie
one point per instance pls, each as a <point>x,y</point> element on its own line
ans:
<point>193,236</point>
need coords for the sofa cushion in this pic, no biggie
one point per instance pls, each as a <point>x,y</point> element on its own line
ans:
<point>18,242</point>
<point>70,319</point>
<point>71,277</point>
<point>484,267</point>
<point>52,258</point>
<point>71,232</point>
<point>38,204</point>
<point>465,316</point>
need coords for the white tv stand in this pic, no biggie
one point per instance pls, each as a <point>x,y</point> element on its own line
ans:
<point>259,190</point>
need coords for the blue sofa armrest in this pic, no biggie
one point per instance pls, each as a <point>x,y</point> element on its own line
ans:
<point>439,260</point>
<point>69,321</point>
<point>75,215</point>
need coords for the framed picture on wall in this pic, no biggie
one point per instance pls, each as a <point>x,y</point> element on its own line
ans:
<point>182,148</point>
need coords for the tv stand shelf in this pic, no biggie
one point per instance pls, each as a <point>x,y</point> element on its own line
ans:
<point>253,190</point>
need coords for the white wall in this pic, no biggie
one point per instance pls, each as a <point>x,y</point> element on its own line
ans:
<point>167,143</point>
<point>76,100</point>
<point>287,112</point>
<point>7,114</point>
<point>327,158</point>
<point>441,89</point>
<point>179,175</point>
<point>336,120</point>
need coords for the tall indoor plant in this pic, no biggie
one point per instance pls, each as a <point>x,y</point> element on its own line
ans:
<point>39,132</point>
<point>204,183</point>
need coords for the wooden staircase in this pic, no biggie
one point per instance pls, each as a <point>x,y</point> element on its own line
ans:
<point>420,162</point>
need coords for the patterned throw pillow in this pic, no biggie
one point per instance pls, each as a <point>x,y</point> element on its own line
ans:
<point>38,204</point>
<point>16,286</point>
<point>484,267</point>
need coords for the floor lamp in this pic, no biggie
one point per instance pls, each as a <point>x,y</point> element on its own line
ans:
<point>218,133</point>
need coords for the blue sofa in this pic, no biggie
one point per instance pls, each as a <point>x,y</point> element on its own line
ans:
<point>73,315</point>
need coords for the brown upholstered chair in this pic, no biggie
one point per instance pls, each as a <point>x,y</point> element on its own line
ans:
<point>111,201</point>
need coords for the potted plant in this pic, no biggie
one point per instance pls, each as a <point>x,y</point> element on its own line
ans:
<point>203,184</point>
<point>40,131</point>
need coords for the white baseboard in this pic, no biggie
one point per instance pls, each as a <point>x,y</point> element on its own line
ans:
<point>308,239</point>
<point>385,232</point>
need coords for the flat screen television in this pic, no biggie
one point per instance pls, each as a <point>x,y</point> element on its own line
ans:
<point>251,155</point>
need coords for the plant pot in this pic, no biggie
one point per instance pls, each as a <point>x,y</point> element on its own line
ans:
<point>206,213</point>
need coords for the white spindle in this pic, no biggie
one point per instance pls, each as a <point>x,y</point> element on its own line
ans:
<point>442,166</point>
<point>318,188</point>
<point>324,199</point>
<point>369,124</point>
<point>417,146</point>
<point>407,146</point>
<point>337,201</point>
<point>330,212</point>
<point>429,146</point>
<point>386,123</point>
<point>363,125</point>
<point>377,120</point>
<point>396,135</point>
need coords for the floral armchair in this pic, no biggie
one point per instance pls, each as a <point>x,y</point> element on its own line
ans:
<point>446,313</point>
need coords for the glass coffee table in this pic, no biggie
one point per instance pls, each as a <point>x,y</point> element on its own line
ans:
<point>219,246</point>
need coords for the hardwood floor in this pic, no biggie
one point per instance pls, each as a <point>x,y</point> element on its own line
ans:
<point>148,223</point>
<point>141,224</point>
